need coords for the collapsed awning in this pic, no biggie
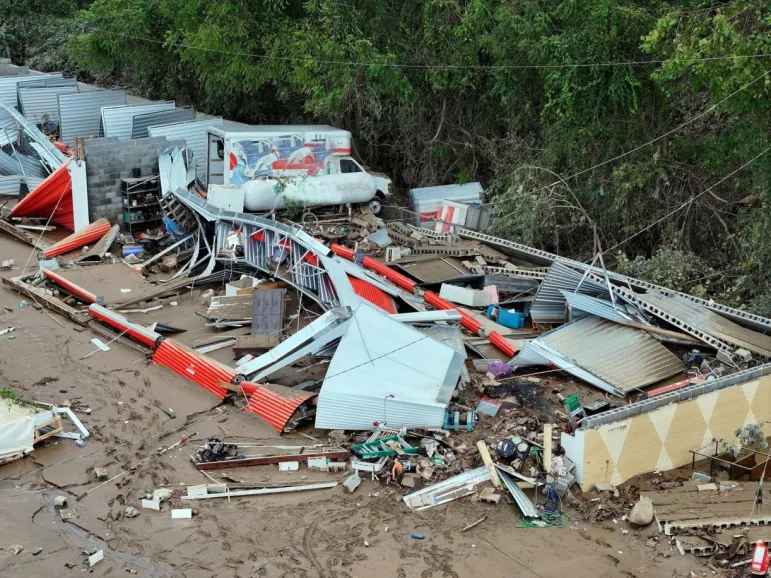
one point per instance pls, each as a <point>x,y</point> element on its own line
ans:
<point>613,357</point>
<point>388,373</point>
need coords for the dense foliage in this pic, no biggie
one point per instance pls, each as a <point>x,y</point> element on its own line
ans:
<point>518,95</point>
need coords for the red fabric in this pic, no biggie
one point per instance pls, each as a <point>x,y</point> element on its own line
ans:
<point>52,198</point>
<point>372,294</point>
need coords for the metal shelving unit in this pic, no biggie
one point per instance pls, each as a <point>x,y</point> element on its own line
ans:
<point>141,203</point>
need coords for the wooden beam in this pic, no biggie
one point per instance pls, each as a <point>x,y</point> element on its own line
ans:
<point>488,461</point>
<point>664,332</point>
<point>547,445</point>
<point>46,300</point>
<point>334,453</point>
<point>22,235</point>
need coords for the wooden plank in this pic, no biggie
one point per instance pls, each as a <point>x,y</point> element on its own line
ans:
<point>169,287</point>
<point>334,453</point>
<point>46,300</point>
<point>255,344</point>
<point>24,236</point>
<point>488,461</point>
<point>547,446</point>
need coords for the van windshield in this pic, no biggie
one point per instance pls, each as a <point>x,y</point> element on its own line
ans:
<point>349,166</point>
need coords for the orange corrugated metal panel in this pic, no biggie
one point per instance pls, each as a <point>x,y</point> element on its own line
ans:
<point>76,290</point>
<point>204,371</point>
<point>502,343</point>
<point>93,232</point>
<point>440,303</point>
<point>276,404</point>
<point>376,266</point>
<point>372,294</point>
<point>133,330</point>
<point>52,198</point>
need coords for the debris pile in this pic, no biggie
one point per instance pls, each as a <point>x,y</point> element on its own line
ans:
<point>440,361</point>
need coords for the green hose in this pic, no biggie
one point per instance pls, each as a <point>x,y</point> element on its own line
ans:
<point>547,520</point>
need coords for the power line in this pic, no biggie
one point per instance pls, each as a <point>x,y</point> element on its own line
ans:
<point>658,138</point>
<point>688,202</point>
<point>311,60</point>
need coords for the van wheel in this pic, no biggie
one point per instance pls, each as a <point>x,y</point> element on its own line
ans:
<point>375,206</point>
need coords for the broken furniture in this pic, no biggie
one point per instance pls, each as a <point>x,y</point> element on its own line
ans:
<point>25,424</point>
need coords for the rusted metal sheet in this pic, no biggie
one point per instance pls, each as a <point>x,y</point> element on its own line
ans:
<point>99,250</point>
<point>276,404</point>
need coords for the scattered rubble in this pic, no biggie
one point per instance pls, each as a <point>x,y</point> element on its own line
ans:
<point>440,362</point>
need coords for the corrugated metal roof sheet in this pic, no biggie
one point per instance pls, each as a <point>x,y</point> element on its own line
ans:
<point>447,490</point>
<point>118,121</point>
<point>387,372</point>
<point>372,294</point>
<point>80,114</point>
<point>276,403</point>
<point>195,136</point>
<point>451,336</point>
<point>9,130</point>
<point>472,192</point>
<point>622,358</point>
<point>549,304</point>
<point>526,505</point>
<point>583,305</point>
<point>8,165</point>
<point>9,186</point>
<point>39,101</point>
<point>8,86</point>
<point>160,118</point>
<point>32,166</point>
<point>693,315</point>
<point>32,135</point>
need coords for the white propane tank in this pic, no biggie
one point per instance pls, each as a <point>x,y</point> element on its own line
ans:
<point>268,193</point>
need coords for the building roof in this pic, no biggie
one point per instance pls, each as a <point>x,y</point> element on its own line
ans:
<point>613,357</point>
<point>387,372</point>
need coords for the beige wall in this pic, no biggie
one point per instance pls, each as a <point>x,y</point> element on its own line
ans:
<point>662,439</point>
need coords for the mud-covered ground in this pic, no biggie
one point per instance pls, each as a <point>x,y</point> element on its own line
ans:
<point>321,533</point>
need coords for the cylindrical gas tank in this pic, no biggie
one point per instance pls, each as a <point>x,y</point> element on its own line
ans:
<point>269,193</point>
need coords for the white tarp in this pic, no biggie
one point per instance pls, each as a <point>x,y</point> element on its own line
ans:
<point>17,430</point>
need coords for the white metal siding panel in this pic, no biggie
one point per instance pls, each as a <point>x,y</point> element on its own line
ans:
<point>119,120</point>
<point>8,165</point>
<point>699,317</point>
<point>195,135</point>
<point>36,102</point>
<point>8,86</point>
<point>161,118</point>
<point>549,305</point>
<point>9,186</point>
<point>81,113</point>
<point>625,357</point>
<point>32,166</point>
<point>387,372</point>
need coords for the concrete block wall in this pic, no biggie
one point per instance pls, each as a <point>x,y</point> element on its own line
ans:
<point>108,160</point>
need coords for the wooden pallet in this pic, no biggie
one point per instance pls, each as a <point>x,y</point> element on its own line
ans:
<point>49,428</point>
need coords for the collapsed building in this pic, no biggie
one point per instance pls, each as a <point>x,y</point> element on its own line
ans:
<point>402,309</point>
